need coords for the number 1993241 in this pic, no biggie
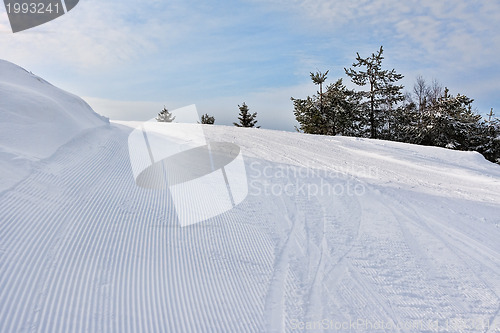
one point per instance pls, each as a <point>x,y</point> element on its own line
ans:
<point>32,8</point>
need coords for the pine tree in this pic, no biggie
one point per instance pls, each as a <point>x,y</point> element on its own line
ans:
<point>207,119</point>
<point>407,123</point>
<point>489,146</point>
<point>450,122</point>
<point>424,97</point>
<point>432,116</point>
<point>165,116</point>
<point>319,78</point>
<point>491,118</point>
<point>246,118</point>
<point>330,113</point>
<point>308,115</point>
<point>341,109</point>
<point>382,92</point>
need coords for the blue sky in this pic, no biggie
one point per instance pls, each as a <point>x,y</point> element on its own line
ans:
<point>128,59</point>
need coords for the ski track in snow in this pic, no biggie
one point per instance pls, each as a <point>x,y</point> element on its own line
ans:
<point>83,249</point>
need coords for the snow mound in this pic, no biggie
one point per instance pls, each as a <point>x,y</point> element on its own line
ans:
<point>336,233</point>
<point>36,118</point>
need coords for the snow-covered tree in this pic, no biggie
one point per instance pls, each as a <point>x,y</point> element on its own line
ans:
<point>246,119</point>
<point>489,145</point>
<point>165,116</point>
<point>450,122</point>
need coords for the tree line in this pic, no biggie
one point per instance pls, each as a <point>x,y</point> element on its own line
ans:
<point>245,118</point>
<point>428,115</point>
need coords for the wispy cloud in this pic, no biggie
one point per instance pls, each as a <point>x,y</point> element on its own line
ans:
<point>221,53</point>
<point>95,34</point>
<point>428,29</point>
<point>454,41</point>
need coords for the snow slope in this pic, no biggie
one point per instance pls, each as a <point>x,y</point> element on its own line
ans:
<point>49,115</point>
<point>337,234</point>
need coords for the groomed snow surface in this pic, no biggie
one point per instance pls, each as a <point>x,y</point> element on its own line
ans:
<point>336,234</point>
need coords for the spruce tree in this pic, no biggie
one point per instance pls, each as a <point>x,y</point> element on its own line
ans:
<point>489,144</point>
<point>382,92</point>
<point>246,118</point>
<point>407,123</point>
<point>450,122</point>
<point>432,116</point>
<point>165,116</point>
<point>308,115</point>
<point>207,119</point>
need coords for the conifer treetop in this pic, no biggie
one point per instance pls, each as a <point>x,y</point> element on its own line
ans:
<point>246,119</point>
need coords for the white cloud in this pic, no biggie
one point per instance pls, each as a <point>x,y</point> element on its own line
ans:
<point>426,29</point>
<point>180,49</point>
<point>453,41</point>
<point>95,34</point>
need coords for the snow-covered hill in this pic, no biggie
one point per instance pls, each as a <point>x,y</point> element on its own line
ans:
<point>36,118</point>
<point>337,234</point>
